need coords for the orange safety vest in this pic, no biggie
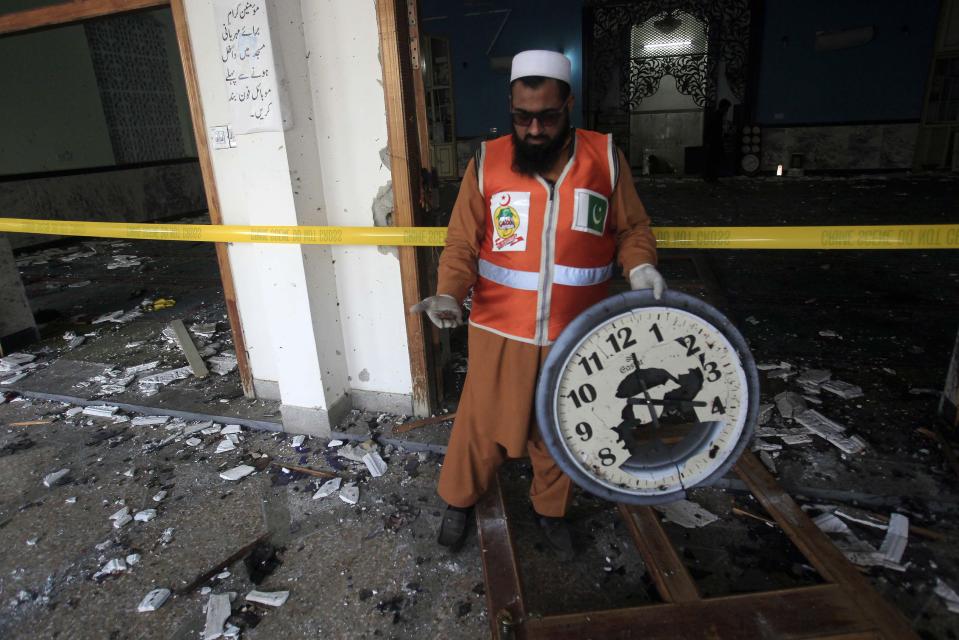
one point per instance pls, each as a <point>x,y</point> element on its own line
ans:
<point>547,252</point>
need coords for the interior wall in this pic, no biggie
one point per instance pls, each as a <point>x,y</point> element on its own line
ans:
<point>880,81</point>
<point>165,17</point>
<point>57,157</point>
<point>480,92</point>
<point>52,70</point>
<point>138,194</point>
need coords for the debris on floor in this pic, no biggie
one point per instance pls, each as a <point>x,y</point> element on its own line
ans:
<point>687,514</point>
<point>153,600</point>
<point>236,473</point>
<point>270,599</point>
<point>217,611</point>
<point>949,597</point>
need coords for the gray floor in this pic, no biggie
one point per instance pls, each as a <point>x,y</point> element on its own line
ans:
<point>373,570</point>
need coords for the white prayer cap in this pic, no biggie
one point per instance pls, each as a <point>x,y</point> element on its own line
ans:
<point>538,62</point>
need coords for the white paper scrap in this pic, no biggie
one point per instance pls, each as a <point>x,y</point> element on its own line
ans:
<point>271,599</point>
<point>687,514</point>
<point>237,472</point>
<point>327,488</point>
<point>375,464</point>
<point>153,600</point>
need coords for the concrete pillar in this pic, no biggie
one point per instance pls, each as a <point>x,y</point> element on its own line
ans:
<point>324,326</point>
<point>286,293</point>
<point>350,120</point>
<point>17,327</point>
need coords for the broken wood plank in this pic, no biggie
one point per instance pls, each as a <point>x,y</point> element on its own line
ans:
<point>189,349</point>
<point>416,424</point>
<point>747,514</point>
<point>307,470</point>
<point>30,423</point>
<point>220,566</point>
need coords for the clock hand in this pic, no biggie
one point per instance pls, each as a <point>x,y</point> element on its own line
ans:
<point>649,403</point>
<point>642,385</point>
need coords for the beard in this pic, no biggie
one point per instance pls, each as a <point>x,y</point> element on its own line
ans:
<point>531,158</point>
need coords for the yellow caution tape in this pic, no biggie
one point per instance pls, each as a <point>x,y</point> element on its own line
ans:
<point>914,236</point>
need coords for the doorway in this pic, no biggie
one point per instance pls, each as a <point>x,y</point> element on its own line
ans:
<point>110,128</point>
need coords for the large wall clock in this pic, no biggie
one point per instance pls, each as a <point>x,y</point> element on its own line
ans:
<point>641,399</point>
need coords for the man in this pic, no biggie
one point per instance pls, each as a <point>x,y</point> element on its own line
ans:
<point>535,229</point>
<point>714,140</point>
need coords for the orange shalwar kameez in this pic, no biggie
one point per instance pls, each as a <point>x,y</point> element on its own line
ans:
<point>495,418</point>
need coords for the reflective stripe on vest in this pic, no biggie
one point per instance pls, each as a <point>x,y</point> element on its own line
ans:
<point>529,280</point>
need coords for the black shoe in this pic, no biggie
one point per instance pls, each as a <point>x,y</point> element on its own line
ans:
<point>556,533</point>
<point>453,528</point>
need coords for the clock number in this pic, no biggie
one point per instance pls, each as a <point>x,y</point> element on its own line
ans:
<point>626,335</point>
<point>595,358</point>
<point>584,431</point>
<point>718,406</point>
<point>655,330</point>
<point>586,394</point>
<point>690,343</point>
<point>712,372</point>
<point>606,457</point>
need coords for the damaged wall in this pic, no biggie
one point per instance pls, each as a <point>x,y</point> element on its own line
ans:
<point>314,317</point>
<point>350,122</point>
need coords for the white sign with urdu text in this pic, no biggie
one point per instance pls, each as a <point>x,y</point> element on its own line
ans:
<point>249,71</point>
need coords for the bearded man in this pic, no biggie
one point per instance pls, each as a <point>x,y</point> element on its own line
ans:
<point>541,218</point>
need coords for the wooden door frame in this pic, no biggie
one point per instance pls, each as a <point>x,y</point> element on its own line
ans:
<point>399,52</point>
<point>77,10</point>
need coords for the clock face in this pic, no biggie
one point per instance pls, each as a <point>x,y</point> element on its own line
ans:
<point>647,401</point>
<point>749,163</point>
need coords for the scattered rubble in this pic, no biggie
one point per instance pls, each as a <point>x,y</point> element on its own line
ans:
<point>842,389</point>
<point>790,404</point>
<point>100,411</point>
<point>375,464</point>
<point>113,567</point>
<point>949,597</point>
<point>217,612</point>
<point>146,515</point>
<point>153,600</point>
<point>270,599</point>
<point>222,364</point>
<point>687,514</point>
<point>831,431</point>
<point>350,493</point>
<point>237,473</point>
<point>55,478</point>
<point>328,488</point>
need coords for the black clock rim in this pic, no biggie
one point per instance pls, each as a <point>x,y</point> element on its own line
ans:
<point>589,320</point>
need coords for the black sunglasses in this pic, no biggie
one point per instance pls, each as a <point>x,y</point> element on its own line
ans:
<point>547,118</point>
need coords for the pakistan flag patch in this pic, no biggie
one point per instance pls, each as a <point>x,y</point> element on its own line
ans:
<point>590,212</point>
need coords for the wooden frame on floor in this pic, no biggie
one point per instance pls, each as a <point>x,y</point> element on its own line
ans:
<point>77,10</point>
<point>845,607</point>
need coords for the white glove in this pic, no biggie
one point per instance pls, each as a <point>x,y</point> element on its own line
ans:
<point>443,310</point>
<point>645,276</point>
